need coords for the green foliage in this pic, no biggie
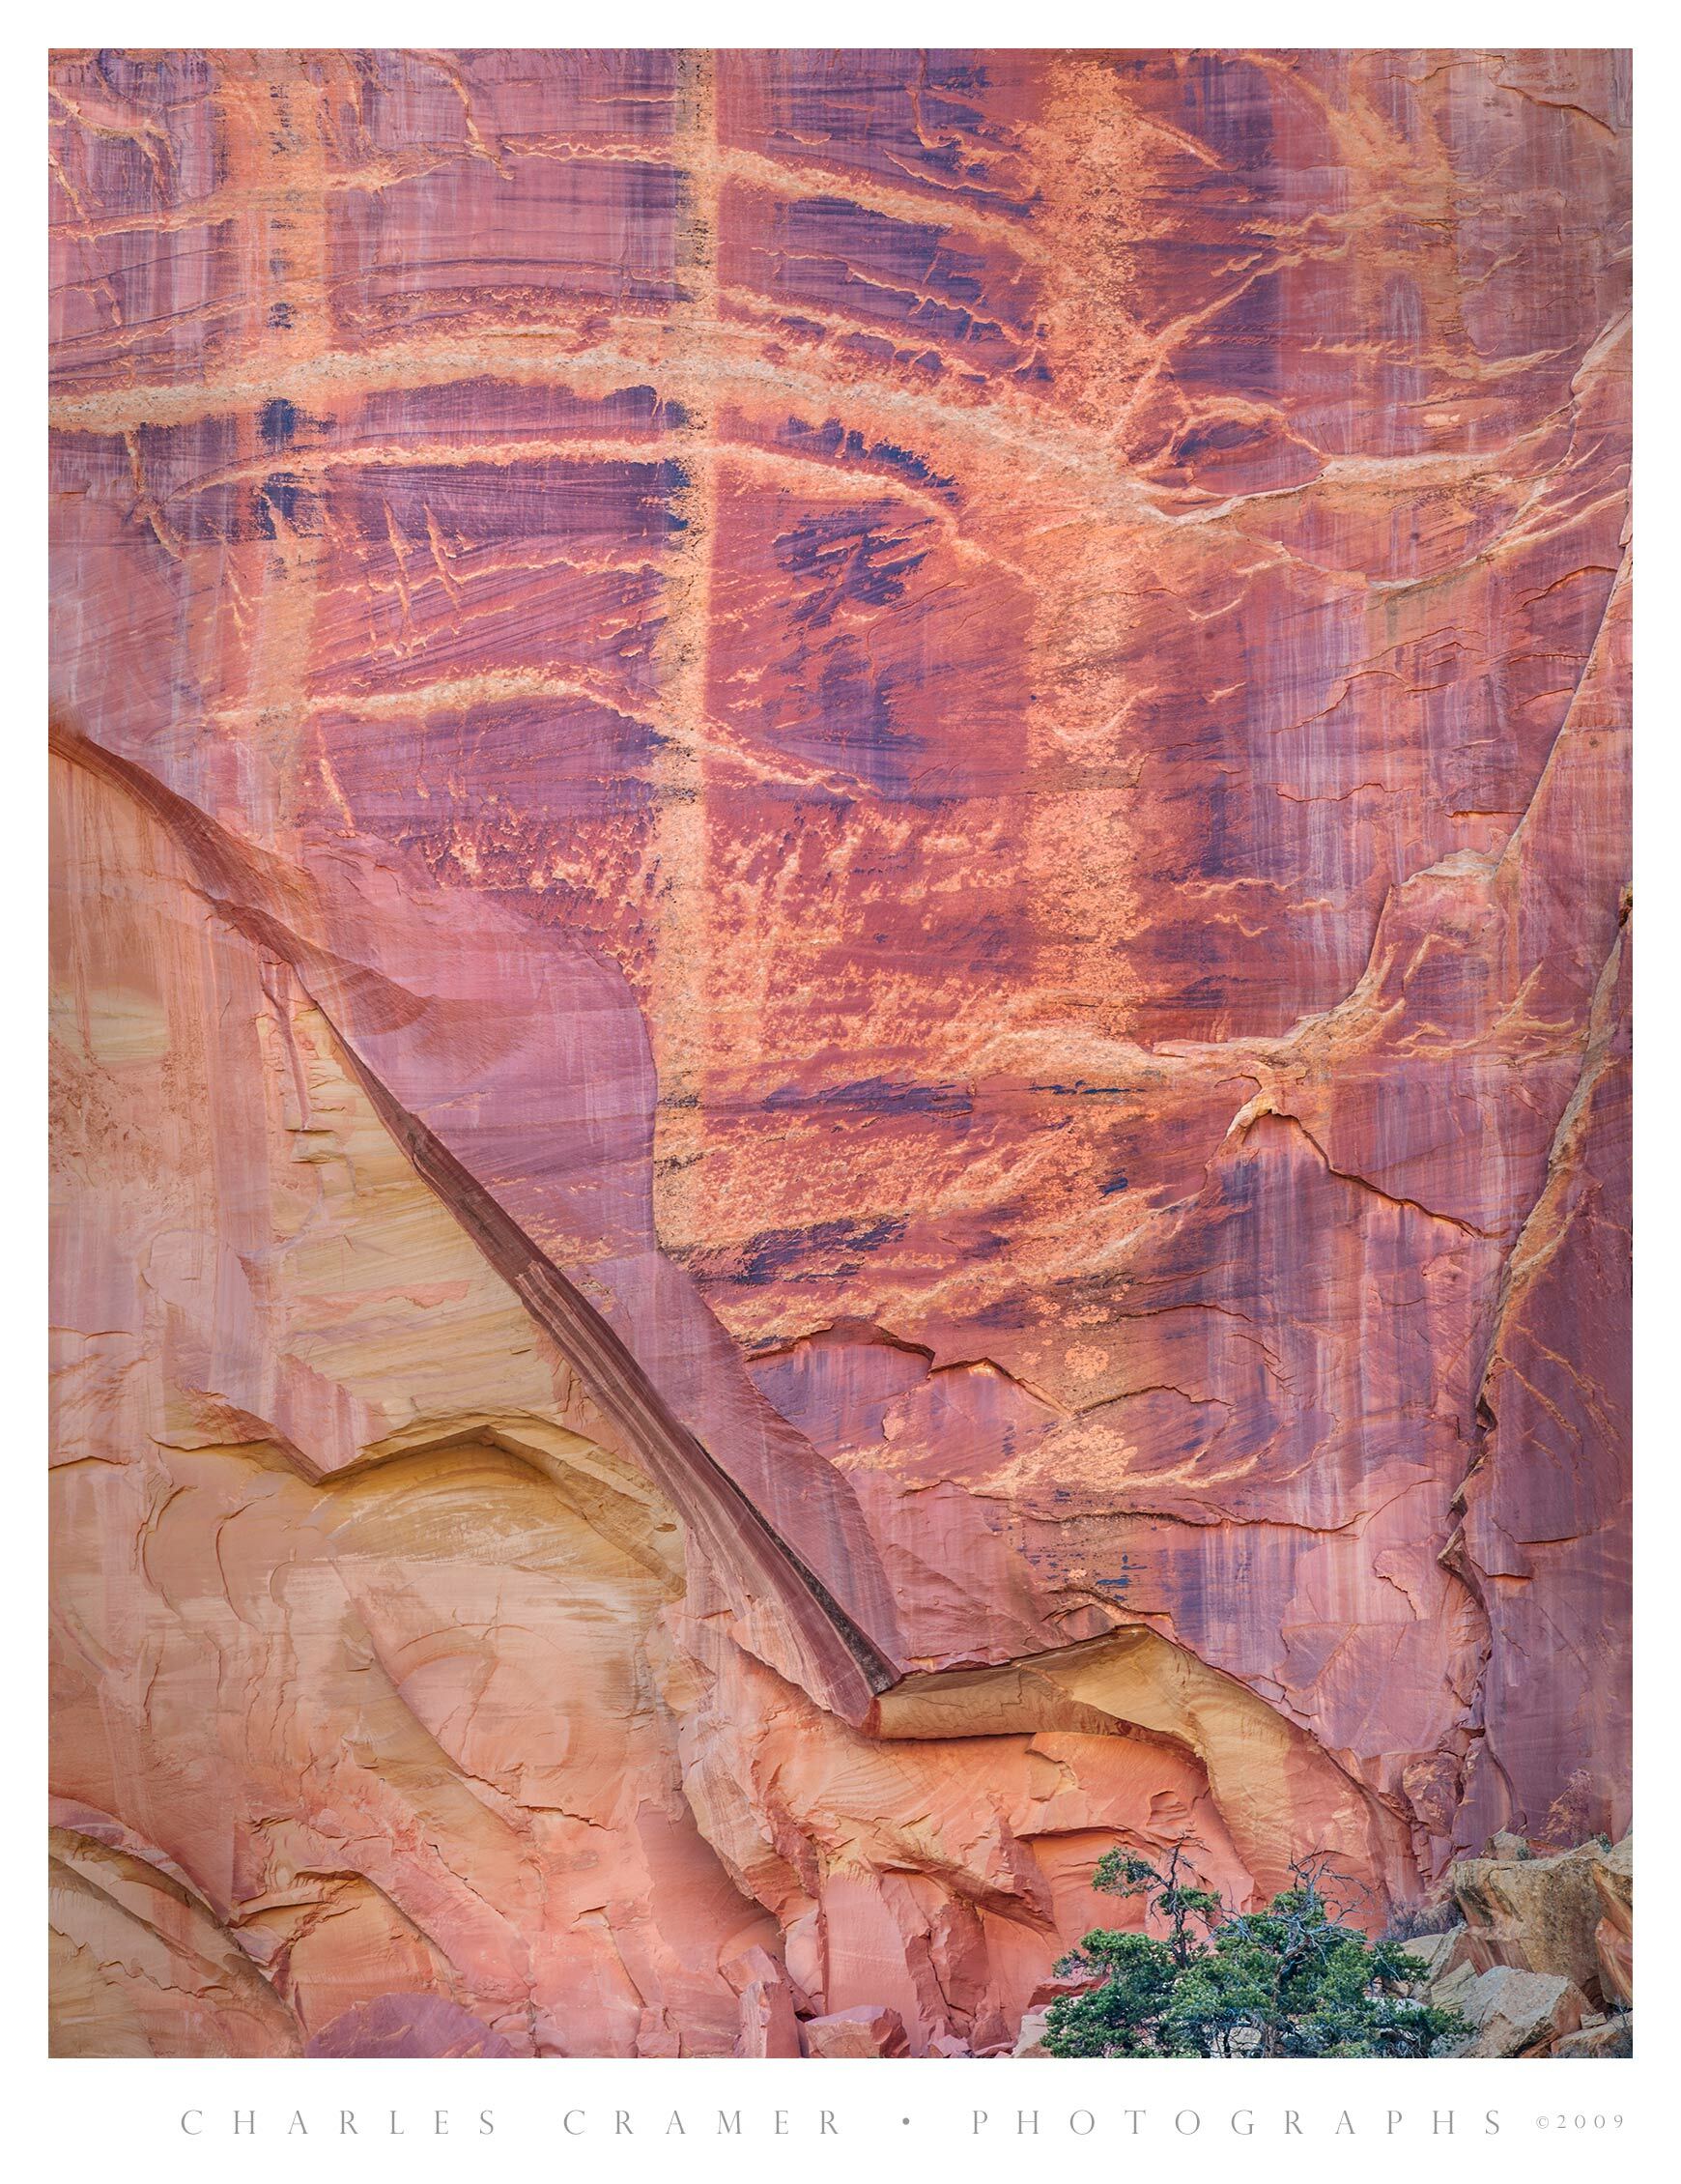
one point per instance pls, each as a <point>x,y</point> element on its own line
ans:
<point>1294,1980</point>
<point>1119,1875</point>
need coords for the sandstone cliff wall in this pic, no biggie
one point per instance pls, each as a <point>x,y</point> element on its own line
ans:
<point>840,1044</point>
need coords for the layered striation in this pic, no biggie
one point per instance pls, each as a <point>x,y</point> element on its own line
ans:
<point>841,966</point>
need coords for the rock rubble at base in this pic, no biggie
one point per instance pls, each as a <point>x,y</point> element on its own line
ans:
<point>1542,1961</point>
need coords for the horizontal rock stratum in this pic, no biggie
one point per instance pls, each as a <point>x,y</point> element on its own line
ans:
<point>840,1041</point>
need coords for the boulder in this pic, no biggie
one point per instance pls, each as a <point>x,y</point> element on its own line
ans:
<point>767,2003</point>
<point>868,2029</point>
<point>1614,1937</point>
<point>1615,2036</point>
<point>993,2032</point>
<point>1446,1953</point>
<point>1058,1984</point>
<point>1542,1914</point>
<point>1615,1952</point>
<point>1030,2040</point>
<point>768,2026</point>
<point>1516,2013</point>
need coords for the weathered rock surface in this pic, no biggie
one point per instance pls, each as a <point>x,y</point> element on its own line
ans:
<point>770,2025</point>
<point>1443,1955</point>
<point>840,1020</point>
<point>1615,2037</point>
<point>141,1966</point>
<point>855,2034</point>
<point>392,2025</point>
<point>1030,2040</point>
<point>1547,1915</point>
<point>1613,1939</point>
<point>1515,2013</point>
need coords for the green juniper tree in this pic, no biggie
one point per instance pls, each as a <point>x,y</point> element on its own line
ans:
<point>1294,1980</point>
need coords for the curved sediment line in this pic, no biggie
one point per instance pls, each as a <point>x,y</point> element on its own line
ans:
<point>1304,1801</point>
<point>1279,1792</point>
<point>808,1636</point>
<point>844,1667</point>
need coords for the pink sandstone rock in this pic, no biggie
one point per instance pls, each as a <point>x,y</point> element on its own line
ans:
<point>855,2034</point>
<point>1614,1937</point>
<point>841,1041</point>
<point>1615,2037</point>
<point>768,2024</point>
<point>406,2024</point>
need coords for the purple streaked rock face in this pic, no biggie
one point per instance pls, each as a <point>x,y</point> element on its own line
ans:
<point>394,2026</point>
<point>842,1040</point>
